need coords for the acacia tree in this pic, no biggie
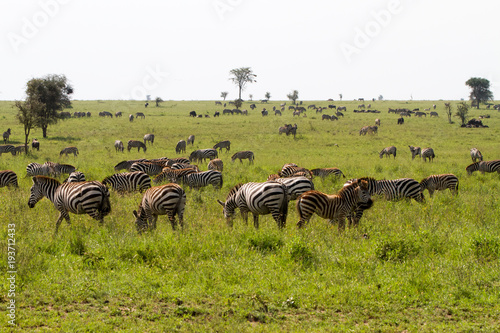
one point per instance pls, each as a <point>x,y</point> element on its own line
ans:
<point>462,112</point>
<point>158,100</point>
<point>241,76</point>
<point>448,108</point>
<point>52,92</point>
<point>293,96</point>
<point>27,113</point>
<point>224,94</point>
<point>480,90</point>
<point>267,95</point>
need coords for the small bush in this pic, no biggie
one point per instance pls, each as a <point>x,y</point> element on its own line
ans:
<point>396,250</point>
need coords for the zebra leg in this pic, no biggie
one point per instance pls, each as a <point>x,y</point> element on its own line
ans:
<point>431,192</point>
<point>154,218</point>
<point>244,215</point>
<point>171,217</point>
<point>62,215</point>
<point>256,221</point>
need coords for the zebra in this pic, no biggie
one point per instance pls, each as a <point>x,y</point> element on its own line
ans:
<point>62,168</point>
<point>241,155</point>
<point>75,177</point>
<point>21,149</point>
<point>150,138</point>
<point>172,175</point>
<point>293,130</point>
<point>336,207</point>
<point>169,199</point>
<point>223,144</point>
<point>440,183</point>
<point>395,189</point>
<point>259,199</point>
<point>216,164</point>
<point>363,130</point>
<point>6,135</point>
<point>291,170</point>
<point>285,129</point>
<point>202,154</point>
<point>388,151</point>
<point>140,114</point>
<point>180,147</point>
<point>201,179</point>
<point>415,151</point>
<point>177,166</point>
<point>295,186</point>
<point>428,153</point>
<point>149,168</point>
<point>69,150</point>
<point>272,176</point>
<point>35,144</point>
<point>173,161</point>
<point>119,146</point>
<point>190,140</point>
<point>36,169</point>
<point>118,114</point>
<point>324,172</point>
<point>326,117</point>
<point>484,166</point>
<point>125,165</point>
<point>131,117</point>
<point>128,182</point>
<point>136,144</point>
<point>90,198</point>
<point>8,149</point>
<point>8,178</point>
<point>475,154</point>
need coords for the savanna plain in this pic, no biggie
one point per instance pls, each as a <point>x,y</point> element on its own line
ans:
<point>407,267</point>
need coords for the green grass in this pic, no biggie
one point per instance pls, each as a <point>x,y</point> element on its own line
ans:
<point>407,266</point>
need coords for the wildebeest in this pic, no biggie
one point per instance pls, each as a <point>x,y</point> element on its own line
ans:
<point>130,117</point>
<point>216,114</point>
<point>192,114</point>
<point>35,144</point>
<point>401,121</point>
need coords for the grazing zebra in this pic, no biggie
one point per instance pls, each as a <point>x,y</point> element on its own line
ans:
<point>241,155</point>
<point>119,146</point>
<point>336,207</point>
<point>125,165</point>
<point>395,189</point>
<point>440,183</point>
<point>475,154</point>
<point>173,161</point>
<point>223,144</point>
<point>128,182</point>
<point>216,164</point>
<point>136,144</point>
<point>150,138</point>
<point>295,186</point>
<point>90,198</point>
<point>324,172</point>
<point>326,117</point>
<point>434,114</point>
<point>75,177</point>
<point>180,147</point>
<point>169,199</point>
<point>258,199</point>
<point>484,166</point>
<point>21,149</point>
<point>140,114</point>
<point>6,135</point>
<point>8,149</point>
<point>177,166</point>
<point>415,151</point>
<point>196,180</point>
<point>428,153</point>
<point>190,140</point>
<point>202,154</point>
<point>388,151</point>
<point>292,170</point>
<point>285,129</point>
<point>36,169</point>
<point>171,175</point>
<point>149,168</point>
<point>8,178</point>
<point>35,144</point>
<point>131,117</point>
<point>118,114</point>
<point>363,130</point>
<point>62,168</point>
<point>69,150</point>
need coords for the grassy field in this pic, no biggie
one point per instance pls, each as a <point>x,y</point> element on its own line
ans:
<point>431,267</point>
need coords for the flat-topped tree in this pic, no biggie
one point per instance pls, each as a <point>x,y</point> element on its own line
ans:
<point>480,90</point>
<point>241,76</point>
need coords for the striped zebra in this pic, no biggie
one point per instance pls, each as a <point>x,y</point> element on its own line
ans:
<point>136,144</point>
<point>90,198</point>
<point>119,146</point>
<point>196,180</point>
<point>180,147</point>
<point>185,166</point>
<point>149,168</point>
<point>169,199</point>
<point>171,175</point>
<point>36,169</point>
<point>8,178</point>
<point>294,171</point>
<point>440,183</point>
<point>415,151</point>
<point>295,186</point>
<point>388,151</point>
<point>190,140</point>
<point>241,155</point>
<point>21,149</point>
<point>202,154</point>
<point>258,199</point>
<point>216,164</point>
<point>150,138</point>
<point>428,153</point>
<point>173,161</point>
<point>62,168</point>
<point>363,130</point>
<point>8,149</point>
<point>223,144</point>
<point>285,129</point>
<point>118,114</point>
<point>395,189</point>
<point>6,135</point>
<point>325,172</point>
<point>128,182</point>
<point>475,154</point>
<point>140,114</point>
<point>336,207</point>
<point>75,177</point>
<point>125,165</point>
<point>69,150</point>
<point>484,166</point>
<point>272,176</point>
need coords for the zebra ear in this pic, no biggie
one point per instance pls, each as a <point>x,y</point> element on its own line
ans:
<point>135,213</point>
<point>221,203</point>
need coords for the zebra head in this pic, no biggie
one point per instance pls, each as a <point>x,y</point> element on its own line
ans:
<point>141,222</point>
<point>473,167</point>
<point>364,192</point>
<point>228,210</point>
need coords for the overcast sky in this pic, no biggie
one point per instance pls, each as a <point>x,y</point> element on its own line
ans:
<point>184,50</point>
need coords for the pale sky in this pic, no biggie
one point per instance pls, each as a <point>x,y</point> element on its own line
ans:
<point>184,50</point>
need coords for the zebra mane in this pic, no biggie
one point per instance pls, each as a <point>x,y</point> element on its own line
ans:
<point>45,179</point>
<point>234,190</point>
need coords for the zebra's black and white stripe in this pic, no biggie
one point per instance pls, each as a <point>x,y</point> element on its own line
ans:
<point>202,154</point>
<point>169,199</point>
<point>388,151</point>
<point>125,165</point>
<point>171,175</point>
<point>336,207</point>
<point>36,169</point>
<point>223,144</point>
<point>62,168</point>
<point>190,140</point>
<point>395,189</point>
<point>325,172</point>
<point>136,144</point>
<point>8,178</point>
<point>69,150</point>
<point>484,166</point>
<point>180,147</point>
<point>440,183</point>
<point>292,170</point>
<point>197,180</point>
<point>150,138</point>
<point>242,155</point>
<point>6,135</point>
<point>216,164</point>
<point>150,168</point>
<point>177,166</point>
<point>415,151</point>
<point>75,177</point>
<point>295,186</point>
<point>258,199</point>
<point>428,153</point>
<point>475,154</point>
<point>128,182</point>
<point>173,161</point>
<point>90,198</point>
<point>8,149</point>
